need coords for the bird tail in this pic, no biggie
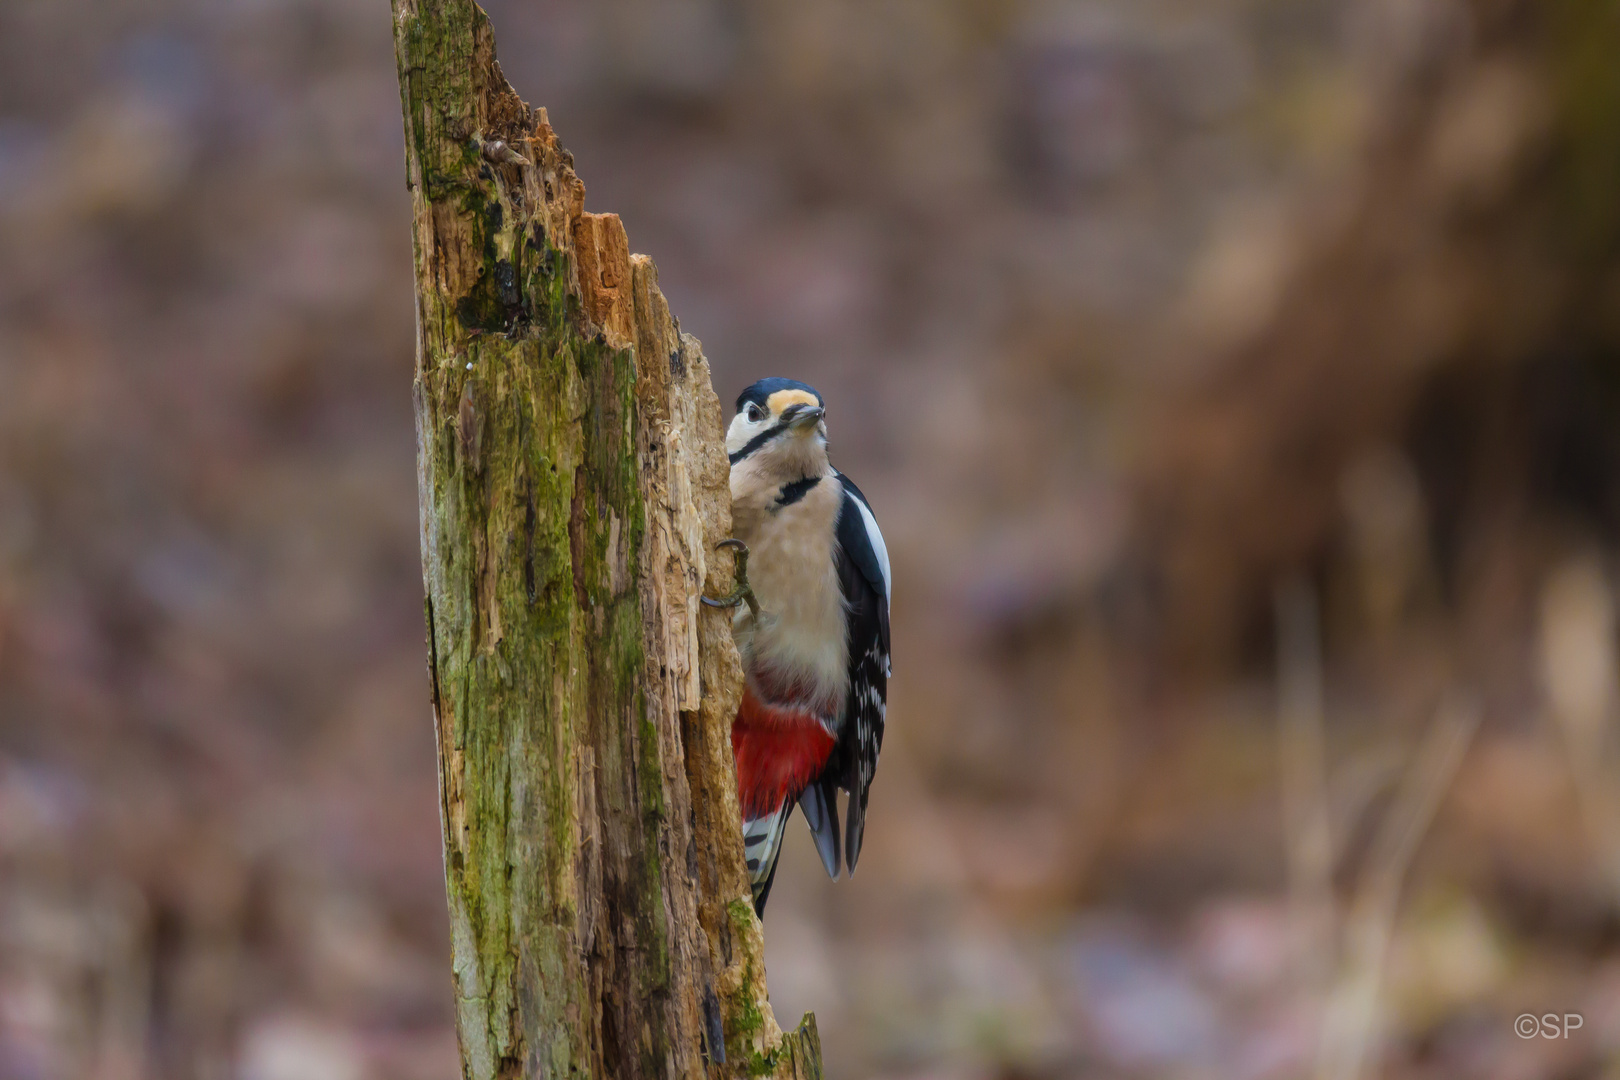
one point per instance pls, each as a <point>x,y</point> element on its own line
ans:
<point>819,803</point>
<point>762,844</point>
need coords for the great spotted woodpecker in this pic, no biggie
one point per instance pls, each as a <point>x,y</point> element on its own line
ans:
<point>814,636</point>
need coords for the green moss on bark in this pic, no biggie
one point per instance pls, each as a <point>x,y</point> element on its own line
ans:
<point>530,508</point>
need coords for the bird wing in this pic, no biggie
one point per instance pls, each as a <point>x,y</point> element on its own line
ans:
<point>863,574</point>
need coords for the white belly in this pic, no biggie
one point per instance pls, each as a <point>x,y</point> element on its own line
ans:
<point>800,633</point>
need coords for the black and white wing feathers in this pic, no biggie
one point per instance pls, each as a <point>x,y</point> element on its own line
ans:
<point>863,573</point>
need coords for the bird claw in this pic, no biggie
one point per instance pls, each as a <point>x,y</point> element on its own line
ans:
<point>743,593</point>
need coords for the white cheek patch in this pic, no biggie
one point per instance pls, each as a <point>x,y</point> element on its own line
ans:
<point>738,434</point>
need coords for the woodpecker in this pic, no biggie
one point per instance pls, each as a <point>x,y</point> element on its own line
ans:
<point>814,636</point>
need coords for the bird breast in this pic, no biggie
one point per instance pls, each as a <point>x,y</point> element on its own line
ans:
<point>796,648</point>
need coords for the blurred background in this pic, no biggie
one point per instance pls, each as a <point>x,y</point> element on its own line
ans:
<point>1237,383</point>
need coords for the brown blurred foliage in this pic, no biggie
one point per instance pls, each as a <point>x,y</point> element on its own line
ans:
<point>1149,328</point>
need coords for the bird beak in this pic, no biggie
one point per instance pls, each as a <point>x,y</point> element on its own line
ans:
<point>801,417</point>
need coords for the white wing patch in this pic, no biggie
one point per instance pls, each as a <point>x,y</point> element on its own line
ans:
<point>878,547</point>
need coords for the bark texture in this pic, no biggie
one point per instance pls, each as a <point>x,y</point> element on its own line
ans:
<point>573,484</point>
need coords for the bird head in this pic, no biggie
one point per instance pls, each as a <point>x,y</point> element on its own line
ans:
<point>780,429</point>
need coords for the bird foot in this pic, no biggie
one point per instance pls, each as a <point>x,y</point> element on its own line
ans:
<point>743,593</point>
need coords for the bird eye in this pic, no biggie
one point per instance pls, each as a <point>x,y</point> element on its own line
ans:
<point>755,414</point>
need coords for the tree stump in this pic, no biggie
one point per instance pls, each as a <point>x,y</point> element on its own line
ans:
<point>573,484</point>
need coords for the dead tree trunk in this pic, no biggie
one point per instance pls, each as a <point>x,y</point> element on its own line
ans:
<point>573,485</point>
